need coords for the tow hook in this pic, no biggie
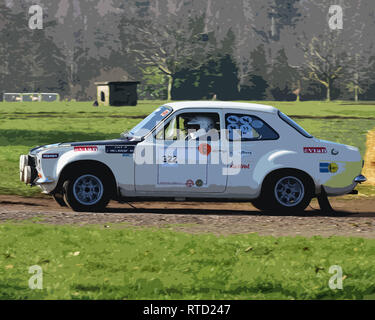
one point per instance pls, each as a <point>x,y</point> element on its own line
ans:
<point>353,192</point>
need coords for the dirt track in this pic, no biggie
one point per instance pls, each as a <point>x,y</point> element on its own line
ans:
<point>353,217</point>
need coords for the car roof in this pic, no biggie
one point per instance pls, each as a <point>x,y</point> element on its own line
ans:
<point>222,105</point>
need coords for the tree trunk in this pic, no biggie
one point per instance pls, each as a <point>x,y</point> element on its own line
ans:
<point>328,93</point>
<point>71,80</point>
<point>170,85</point>
<point>298,91</point>
<point>356,79</point>
<point>356,94</point>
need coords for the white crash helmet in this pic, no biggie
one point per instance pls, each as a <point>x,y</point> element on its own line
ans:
<point>201,122</point>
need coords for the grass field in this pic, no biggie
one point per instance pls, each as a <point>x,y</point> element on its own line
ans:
<point>122,262</point>
<point>25,125</point>
<point>119,262</point>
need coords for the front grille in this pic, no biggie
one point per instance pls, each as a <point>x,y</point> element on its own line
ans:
<point>32,161</point>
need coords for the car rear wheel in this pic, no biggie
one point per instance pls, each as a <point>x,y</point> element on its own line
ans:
<point>87,191</point>
<point>285,191</point>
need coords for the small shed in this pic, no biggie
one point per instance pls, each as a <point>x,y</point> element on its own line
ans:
<point>117,93</point>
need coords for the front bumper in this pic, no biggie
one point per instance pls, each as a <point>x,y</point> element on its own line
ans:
<point>44,180</point>
<point>360,179</point>
<point>346,190</point>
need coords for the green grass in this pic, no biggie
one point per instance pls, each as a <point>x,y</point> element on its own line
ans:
<point>326,109</point>
<point>25,125</point>
<point>78,109</point>
<point>351,132</point>
<point>120,262</point>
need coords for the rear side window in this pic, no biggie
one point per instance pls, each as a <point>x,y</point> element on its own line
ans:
<point>295,125</point>
<point>250,127</point>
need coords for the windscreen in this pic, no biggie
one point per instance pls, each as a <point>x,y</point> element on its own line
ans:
<point>151,121</point>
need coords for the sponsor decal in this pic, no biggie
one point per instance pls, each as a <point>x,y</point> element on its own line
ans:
<point>86,148</point>
<point>189,183</point>
<point>171,183</point>
<point>323,167</point>
<point>333,167</point>
<point>246,152</point>
<point>50,156</point>
<point>240,166</point>
<point>204,149</point>
<point>334,152</point>
<point>243,153</point>
<point>124,149</point>
<point>199,183</point>
<point>233,119</point>
<point>326,167</point>
<point>170,160</point>
<point>257,124</point>
<point>165,113</point>
<point>315,150</point>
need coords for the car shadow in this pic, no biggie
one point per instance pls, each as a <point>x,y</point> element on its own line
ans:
<point>227,212</point>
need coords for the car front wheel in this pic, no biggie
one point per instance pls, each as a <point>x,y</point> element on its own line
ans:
<point>86,191</point>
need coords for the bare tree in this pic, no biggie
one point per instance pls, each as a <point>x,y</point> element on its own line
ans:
<point>325,59</point>
<point>358,49</point>
<point>170,46</point>
<point>357,74</point>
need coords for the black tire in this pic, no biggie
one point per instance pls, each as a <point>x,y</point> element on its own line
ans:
<point>87,190</point>
<point>261,204</point>
<point>286,191</point>
<point>59,198</point>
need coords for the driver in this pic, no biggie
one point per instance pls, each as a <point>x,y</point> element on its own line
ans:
<point>198,126</point>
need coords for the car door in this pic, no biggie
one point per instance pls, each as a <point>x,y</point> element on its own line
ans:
<point>257,138</point>
<point>185,162</point>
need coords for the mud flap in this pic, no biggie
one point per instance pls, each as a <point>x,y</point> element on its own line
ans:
<point>324,204</point>
<point>59,199</point>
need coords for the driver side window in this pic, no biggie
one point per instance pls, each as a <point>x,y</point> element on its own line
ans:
<point>172,131</point>
<point>186,126</point>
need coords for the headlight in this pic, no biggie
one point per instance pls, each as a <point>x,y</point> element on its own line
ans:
<point>27,174</point>
<point>24,161</point>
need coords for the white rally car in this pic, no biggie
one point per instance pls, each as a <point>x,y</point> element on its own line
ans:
<point>226,151</point>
